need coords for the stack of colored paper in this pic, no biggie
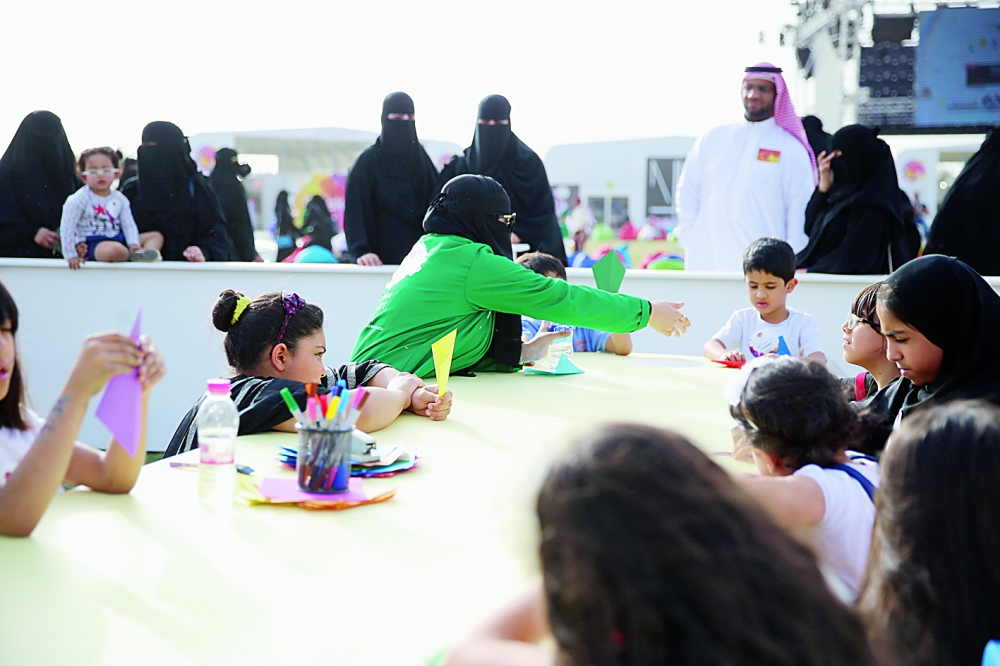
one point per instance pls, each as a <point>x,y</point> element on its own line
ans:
<point>253,492</point>
<point>394,461</point>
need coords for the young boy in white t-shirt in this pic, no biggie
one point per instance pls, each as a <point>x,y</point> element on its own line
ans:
<point>769,327</point>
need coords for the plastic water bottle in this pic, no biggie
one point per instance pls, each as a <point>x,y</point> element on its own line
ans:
<point>559,348</point>
<point>218,423</point>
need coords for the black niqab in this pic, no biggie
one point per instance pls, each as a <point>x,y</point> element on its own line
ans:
<point>388,188</point>
<point>818,138</point>
<point>165,167</point>
<point>319,224</point>
<point>965,330</point>
<point>469,206</point>
<point>853,227</point>
<point>232,195</point>
<point>497,152</point>
<point>169,195</point>
<point>37,173</point>
<point>967,224</point>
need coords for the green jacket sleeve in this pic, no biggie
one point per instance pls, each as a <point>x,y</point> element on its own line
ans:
<point>498,284</point>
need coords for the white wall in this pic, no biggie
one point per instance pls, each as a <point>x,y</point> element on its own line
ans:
<point>59,307</point>
<point>613,168</point>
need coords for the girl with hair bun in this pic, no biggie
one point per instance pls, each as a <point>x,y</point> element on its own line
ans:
<point>802,428</point>
<point>276,341</point>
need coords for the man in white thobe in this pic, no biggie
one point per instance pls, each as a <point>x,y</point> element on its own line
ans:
<point>748,180</point>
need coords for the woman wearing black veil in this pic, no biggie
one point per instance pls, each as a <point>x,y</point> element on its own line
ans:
<point>37,173</point>
<point>286,233</point>
<point>232,195</point>
<point>319,224</point>
<point>497,152</point>
<point>858,221</point>
<point>388,189</point>
<point>170,196</point>
<point>967,225</point>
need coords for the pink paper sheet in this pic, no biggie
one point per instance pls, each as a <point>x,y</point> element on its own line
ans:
<point>287,490</point>
<point>121,407</point>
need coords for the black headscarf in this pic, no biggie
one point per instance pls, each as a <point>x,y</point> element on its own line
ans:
<point>319,224</point>
<point>469,206</point>
<point>232,195</point>
<point>170,196</point>
<point>37,173</point>
<point>130,169</point>
<point>965,330</point>
<point>389,187</point>
<point>497,152</point>
<point>852,227</point>
<point>286,225</point>
<point>819,139</point>
<point>967,224</point>
<point>165,169</point>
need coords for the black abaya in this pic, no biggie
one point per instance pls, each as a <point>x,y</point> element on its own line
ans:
<point>388,188</point>
<point>319,224</point>
<point>170,196</point>
<point>967,224</point>
<point>37,173</point>
<point>232,195</point>
<point>860,226</point>
<point>497,152</point>
<point>287,232</point>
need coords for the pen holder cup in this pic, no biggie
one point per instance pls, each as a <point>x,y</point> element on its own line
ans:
<point>324,460</point>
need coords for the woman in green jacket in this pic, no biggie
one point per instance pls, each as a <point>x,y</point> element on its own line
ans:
<point>460,275</point>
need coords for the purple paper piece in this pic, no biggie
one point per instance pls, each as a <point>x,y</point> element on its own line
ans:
<point>287,490</point>
<point>121,407</point>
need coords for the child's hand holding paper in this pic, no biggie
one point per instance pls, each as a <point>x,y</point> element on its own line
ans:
<point>427,402</point>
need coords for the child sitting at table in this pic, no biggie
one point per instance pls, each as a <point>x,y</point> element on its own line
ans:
<point>865,346</point>
<point>769,327</point>
<point>37,455</point>
<point>584,339</point>
<point>795,415</point>
<point>276,341</point>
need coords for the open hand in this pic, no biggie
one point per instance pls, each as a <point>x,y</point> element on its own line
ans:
<point>539,345</point>
<point>75,262</point>
<point>425,402</point>
<point>666,317</point>
<point>824,163</point>
<point>46,238</point>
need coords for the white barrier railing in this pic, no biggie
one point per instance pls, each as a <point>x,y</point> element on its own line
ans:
<point>60,307</point>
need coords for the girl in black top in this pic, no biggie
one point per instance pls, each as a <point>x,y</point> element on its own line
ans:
<point>276,341</point>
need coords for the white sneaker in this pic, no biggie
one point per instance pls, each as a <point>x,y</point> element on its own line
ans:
<point>146,255</point>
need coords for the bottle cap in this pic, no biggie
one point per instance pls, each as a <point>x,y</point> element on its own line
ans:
<point>218,386</point>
